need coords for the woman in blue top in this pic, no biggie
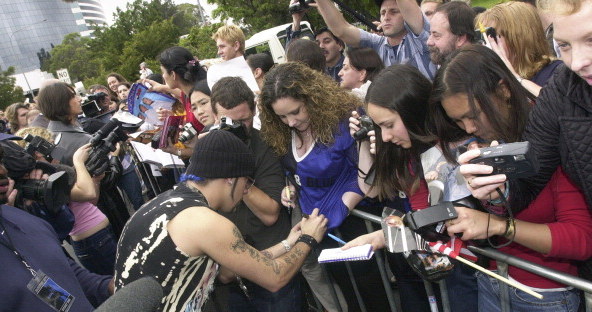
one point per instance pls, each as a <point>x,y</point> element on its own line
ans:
<point>304,117</point>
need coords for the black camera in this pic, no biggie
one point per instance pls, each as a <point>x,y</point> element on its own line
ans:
<point>188,132</point>
<point>41,146</point>
<point>53,192</point>
<point>515,160</point>
<point>233,127</point>
<point>102,143</point>
<point>481,36</point>
<point>366,125</point>
<point>92,106</point>
<point>299,6</point>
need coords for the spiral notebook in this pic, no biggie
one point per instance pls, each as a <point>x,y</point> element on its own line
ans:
<point>363,252</point>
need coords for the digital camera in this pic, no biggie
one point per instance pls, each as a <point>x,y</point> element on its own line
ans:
<point>234,127</point>
<point>366,125</point>
<point>299,6</point>
<point>515,160</point>
<point>188,132</point>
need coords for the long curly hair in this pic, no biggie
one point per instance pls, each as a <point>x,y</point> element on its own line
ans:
<point>327,104</point>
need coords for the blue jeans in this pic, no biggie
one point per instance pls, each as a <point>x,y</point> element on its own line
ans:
<point>97,252</point>
<point>462,288</point>
<point>130,184</point>
<point>489,298</point>
<point>287,299</point>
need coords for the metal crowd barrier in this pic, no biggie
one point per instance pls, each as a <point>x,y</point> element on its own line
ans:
<point>503,260</point>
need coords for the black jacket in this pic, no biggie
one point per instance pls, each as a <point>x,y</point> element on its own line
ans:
<point>560,131</point>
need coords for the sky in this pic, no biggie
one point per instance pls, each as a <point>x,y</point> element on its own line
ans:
<point>109,6</point>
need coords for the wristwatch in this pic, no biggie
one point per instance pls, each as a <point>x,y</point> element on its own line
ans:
<point>286,245</point>
<point>179,152</point>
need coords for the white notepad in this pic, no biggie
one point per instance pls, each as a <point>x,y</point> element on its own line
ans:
<point>363,252</point>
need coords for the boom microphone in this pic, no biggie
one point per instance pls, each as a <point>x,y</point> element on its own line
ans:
<point>142,295</point>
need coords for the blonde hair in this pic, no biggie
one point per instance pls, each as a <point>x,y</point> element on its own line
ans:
<point>36,131</point>
<point>231,34</point>
<point>560,7</point>
<point>521,27</point>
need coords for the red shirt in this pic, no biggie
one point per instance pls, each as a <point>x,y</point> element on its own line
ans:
<point>562,206</point>
<point>189,117</point>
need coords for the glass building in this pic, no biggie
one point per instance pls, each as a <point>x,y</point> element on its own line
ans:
<point>29,27</point>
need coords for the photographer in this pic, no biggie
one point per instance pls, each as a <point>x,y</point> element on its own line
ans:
<point>405,31</point>
<point>28,244</point>
<point>475,91</point>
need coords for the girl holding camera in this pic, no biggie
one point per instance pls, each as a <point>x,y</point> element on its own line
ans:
<point>475,92</point>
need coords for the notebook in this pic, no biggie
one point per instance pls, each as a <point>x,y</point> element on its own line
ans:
<point>363,252</point>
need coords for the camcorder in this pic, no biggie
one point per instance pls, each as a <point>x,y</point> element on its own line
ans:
<point>233,127</point>
<point>53,193</point>
<point>91,107</point>
<point>188,132</point>
<point>299,6</point>
<point>103,142</point>
<point>37,144</point>
<point>515,160</point>
<point>366,125</point>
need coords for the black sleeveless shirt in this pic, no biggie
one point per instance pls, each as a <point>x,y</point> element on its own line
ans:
<point>146,249</point>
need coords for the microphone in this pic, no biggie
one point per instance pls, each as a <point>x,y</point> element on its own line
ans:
<point>142,295</point>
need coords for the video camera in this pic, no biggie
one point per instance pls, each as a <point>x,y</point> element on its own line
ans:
<point>102,143</point>
<point>299,6</point>
<point>366,125</point>
<point>37,144</point>
<point>92,107</point>
<point>233,127</point>
<point>515,160</point>
<point>53,192</point>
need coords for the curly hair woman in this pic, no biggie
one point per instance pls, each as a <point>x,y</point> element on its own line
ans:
<point>304,117</point>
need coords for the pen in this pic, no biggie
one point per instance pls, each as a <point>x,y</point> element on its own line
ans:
<point>335,238</point>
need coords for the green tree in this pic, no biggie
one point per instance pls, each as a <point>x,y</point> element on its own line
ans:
<point>75,55</point>
<point>199,41</point>
<point>9,92</point>
<point>262,14</point>
<point>145,46</point>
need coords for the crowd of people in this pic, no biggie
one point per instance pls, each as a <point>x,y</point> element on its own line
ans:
<point>278,158</point>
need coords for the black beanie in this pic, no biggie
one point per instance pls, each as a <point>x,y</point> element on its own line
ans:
<point>221,154</point>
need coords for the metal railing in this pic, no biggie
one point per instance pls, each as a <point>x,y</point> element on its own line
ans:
<point>502,259</point>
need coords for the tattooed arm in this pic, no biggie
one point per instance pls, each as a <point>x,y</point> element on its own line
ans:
<point>199,230</point>
<point>273,252</point>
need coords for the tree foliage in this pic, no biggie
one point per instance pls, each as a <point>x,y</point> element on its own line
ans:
<point>262,14</point>
<point>9,92</point>
<point>75,55</point>
<point>199,41</point>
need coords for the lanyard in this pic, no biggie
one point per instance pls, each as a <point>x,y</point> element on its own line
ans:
<point>7,242</point>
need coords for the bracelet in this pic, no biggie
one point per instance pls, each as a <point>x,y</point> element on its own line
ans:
<point>286,245</point>
<point>510,228</point>
<point>179,152</point>
<point>309,240</point>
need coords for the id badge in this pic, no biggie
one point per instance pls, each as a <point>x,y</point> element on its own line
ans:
<point>50,292</point>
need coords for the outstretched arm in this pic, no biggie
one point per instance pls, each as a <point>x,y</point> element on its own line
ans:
<point>227,247</point>
<point>412,15</point>
<point>337,23</point>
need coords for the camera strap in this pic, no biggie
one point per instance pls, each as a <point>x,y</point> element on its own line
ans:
<point>6,241</point>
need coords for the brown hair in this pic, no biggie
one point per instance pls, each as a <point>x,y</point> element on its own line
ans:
<point>12,114</point>
<point>54,102</point>
<point>560,7</point>
<point>327,104</point>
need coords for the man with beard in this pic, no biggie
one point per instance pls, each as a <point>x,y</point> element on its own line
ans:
<point>258,215</point>
<point>451,27</point>
<point>405,29</point>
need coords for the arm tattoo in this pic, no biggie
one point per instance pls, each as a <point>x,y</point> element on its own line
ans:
<point>267,254</point>
<point>240,246</point>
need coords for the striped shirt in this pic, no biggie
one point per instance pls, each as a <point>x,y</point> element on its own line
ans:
<point>413,50</point>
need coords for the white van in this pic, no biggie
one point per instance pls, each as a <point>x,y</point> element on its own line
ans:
<point>273,41</point>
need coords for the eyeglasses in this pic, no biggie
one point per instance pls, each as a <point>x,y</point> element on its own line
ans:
<point>250,182</point>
